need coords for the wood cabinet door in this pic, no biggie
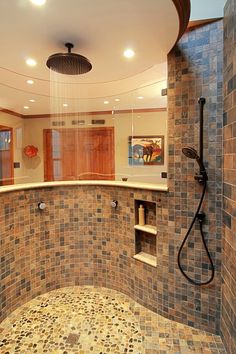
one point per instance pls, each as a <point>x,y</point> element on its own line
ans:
<point>85,154</point>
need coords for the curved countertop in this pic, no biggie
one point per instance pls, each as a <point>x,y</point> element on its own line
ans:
<point>137,185</point>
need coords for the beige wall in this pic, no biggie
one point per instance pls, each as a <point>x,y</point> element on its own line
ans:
<point>125,125</point>
<point>153,123</point>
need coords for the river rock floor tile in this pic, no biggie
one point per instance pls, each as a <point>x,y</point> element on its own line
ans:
<point>89,319</point>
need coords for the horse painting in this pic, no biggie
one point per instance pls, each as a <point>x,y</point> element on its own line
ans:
<point>146,151</point>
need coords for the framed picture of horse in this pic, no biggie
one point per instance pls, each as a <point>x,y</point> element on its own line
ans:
<point>146,150</point>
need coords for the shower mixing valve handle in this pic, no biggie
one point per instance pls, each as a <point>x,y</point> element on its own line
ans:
<point>41,205</point>
<point>114,203</point>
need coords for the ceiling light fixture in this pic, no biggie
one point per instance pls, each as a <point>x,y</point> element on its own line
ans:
<point>117,99</point>
<point>26,107</point>
<point>30,82</point>
<point>38,2</point>
<point>65,104</point>
<point>31,62</point>
<point>69,63</point>
<point>32,100</point>
<point>128,53</point>
<point>106,102</point>
<point>140,97</point>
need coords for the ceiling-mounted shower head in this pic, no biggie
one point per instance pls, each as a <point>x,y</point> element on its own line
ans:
<point>69,63</point>
<point>190,152</point>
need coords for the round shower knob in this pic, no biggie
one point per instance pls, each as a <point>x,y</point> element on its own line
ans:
<point>114,203</point>
<point>41,206</point>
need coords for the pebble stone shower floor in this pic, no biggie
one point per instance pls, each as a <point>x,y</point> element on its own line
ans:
<point>97,320</point>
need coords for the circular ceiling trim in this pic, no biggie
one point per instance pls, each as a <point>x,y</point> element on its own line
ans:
<point>183,8</point>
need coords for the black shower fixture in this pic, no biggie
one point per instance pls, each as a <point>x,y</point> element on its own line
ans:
<point>191,153</point>
<point>199,215</point>
<point>69,63</point>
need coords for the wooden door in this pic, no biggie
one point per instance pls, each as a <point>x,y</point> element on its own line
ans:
<point>95,154</point>
<point>6,156</point>
<point>79,154</point>
<point>69,154</point>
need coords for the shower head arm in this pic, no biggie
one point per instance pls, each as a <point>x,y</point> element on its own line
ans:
<point>69,46</point>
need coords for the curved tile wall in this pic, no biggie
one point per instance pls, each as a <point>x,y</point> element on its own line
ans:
<point>78,239</point>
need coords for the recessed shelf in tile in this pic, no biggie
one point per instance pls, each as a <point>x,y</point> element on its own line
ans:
<point>146,258</point>
<point>147,228</point>
<point>145,235</point>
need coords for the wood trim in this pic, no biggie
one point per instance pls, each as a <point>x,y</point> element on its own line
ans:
<point>10,179</point>
<point>199,23</point>
<point>183,8</point>
<point>8,111</point>
<point>75,114</point>
<point>95,113</point>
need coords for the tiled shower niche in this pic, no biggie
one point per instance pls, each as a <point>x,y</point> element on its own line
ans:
<point>145,235</point>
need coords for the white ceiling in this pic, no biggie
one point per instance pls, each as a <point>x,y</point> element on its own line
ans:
<point>100,30</point>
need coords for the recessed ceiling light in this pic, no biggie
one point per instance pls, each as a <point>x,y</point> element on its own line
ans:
<point>32,100</point>
<point>117,99</point>
<point>65,104</point>
<point>128,53</point>
<point>38,2</point>
<point>30,82</point>
<point>31,62</point>
<point>140,97</point>
<point>106,102</point>
<point>26,107</point>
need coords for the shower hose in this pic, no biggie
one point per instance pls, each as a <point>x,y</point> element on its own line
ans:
<point>200,217</point>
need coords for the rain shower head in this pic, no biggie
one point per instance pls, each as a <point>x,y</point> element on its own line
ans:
<point>190,152</point>
<point>69,63</point>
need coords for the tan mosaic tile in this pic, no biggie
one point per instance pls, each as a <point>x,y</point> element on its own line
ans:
<point>97,320</point>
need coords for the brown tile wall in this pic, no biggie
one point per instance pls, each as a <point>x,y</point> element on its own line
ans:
<point>80,239</point>
<point>195,69</point>
<point>228,319</point>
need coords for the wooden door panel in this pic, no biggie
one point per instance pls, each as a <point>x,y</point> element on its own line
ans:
<point>68,155</point>
<point>85,154</point>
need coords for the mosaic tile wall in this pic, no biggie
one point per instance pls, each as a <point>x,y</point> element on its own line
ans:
<point>228,322</point>
<point>79,239</point>
<point>195,68</point>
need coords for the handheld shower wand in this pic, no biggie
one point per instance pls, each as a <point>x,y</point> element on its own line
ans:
<point>202,178</point>
<point>191,153</point>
